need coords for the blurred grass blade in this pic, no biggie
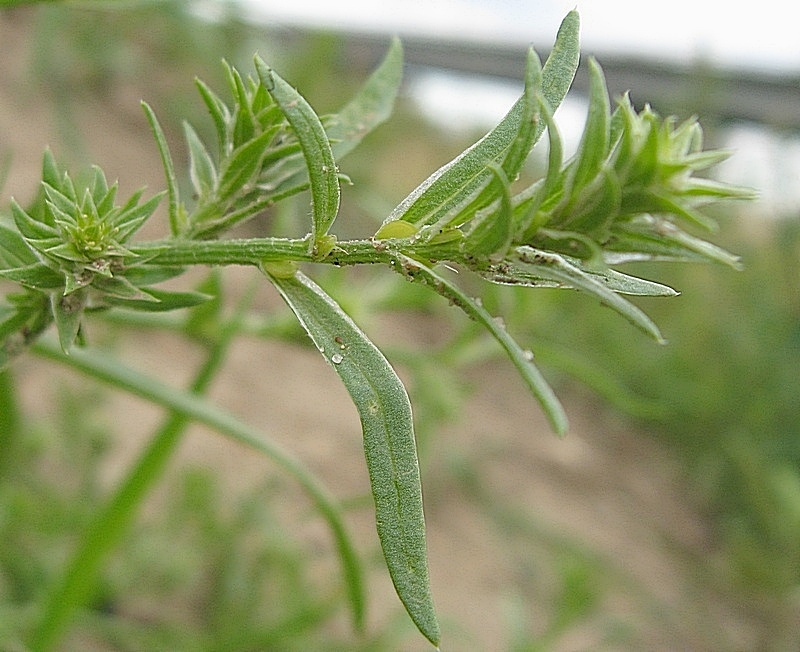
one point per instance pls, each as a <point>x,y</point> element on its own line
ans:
<point>389,445</point>
<point>522,360</point>
<point>71,594</point>
<point>323,174</point>
<point>459,180</point>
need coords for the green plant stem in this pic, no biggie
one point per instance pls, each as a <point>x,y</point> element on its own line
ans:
<point>100,367</point>
<point>109,527</point>
<point>254,251</point>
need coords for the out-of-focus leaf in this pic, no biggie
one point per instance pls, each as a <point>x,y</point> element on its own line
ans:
<point>160,300</point>
<point>389,445</point>
<point>13,250</point>
<point>371,106</point>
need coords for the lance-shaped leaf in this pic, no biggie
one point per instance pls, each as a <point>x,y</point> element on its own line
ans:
<point>522,359</point>
<point>177,218</point>
<point>67,314</point>
<point>490,232</point>
<point>555,267</point>
<point>323,175</point>
<point>389,445</point>
<point>457,183</point>
<point>511,273</point>
<point>202,171</point>
<point>159,300</point>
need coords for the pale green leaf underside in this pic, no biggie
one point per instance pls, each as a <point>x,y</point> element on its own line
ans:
<point>389,445</point>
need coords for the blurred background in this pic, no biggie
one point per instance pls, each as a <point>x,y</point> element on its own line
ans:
<point>669,518</point>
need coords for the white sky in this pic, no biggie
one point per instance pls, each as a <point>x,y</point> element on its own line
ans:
<point>761,34</point>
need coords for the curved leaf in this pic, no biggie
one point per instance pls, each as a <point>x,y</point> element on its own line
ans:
<point>557,268</point>
<point>389,444</point>
<point>459,181</point>
<point>323,174</point>
<point>522,360</point>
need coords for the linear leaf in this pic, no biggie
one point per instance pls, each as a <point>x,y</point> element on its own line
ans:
<point>515,274</point>
<point>389,445</point>
<point>462,178</point>
<point>522,360</point>
<point>176,217</point>
<point>323,175</point>
<point>555,267</point>
<point>243,164</point>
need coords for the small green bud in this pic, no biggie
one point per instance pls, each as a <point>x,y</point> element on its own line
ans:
<point>395,229</point>
<point>279,268</point>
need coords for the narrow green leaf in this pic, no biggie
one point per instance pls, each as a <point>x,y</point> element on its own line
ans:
<point>670,237</point>
<point>50,172</point>
<point>30,228</point>
<point>176,217</point>
<point>509,273</point>
<point>202,171</point>
<point>389,444</point>
<point>454,185</point>
<point>593,148</point>
<point>219,113</point>
<point>243,165</point>
<point>527,216</point>
<point>522,360</point>
<point>559,69</point>
<point>127,222</point>
<point>555,267</point>
<point>323,174</point>
<point>491,231</point>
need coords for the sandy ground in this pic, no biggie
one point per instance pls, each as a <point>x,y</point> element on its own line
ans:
<point>613,496</point>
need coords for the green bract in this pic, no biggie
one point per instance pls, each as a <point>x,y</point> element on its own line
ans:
<point>629,193</point>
